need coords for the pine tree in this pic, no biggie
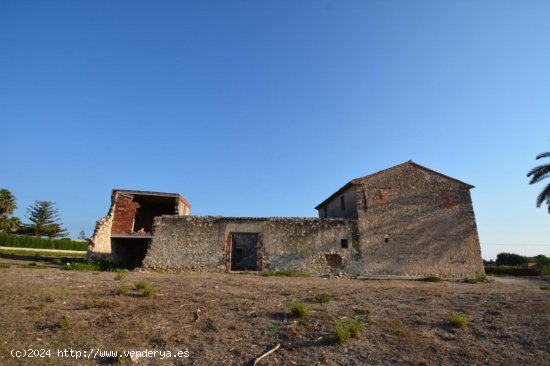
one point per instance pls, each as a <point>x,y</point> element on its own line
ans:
<point>45,220</point>
<point>82,235</point>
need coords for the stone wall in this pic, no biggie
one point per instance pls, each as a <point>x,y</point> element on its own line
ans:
<point>100,242</point>
<point>200,243</point>
<point>337,208</point>
<point>416,222</point>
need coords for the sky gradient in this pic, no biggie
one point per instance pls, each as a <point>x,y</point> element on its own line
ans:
<point>265,108</point>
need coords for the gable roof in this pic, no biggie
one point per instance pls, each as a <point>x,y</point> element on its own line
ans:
<point>358,181</point>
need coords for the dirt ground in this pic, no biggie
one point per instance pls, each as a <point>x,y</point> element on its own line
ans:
<point>244,315</point>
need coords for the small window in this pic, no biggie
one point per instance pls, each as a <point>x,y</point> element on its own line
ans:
<point>342,203</point>
<point>344,243</point>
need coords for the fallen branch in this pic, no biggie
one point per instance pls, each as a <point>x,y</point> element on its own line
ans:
<point>267,353</point>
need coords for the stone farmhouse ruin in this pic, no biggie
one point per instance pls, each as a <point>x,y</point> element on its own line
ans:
<point>407,220</point>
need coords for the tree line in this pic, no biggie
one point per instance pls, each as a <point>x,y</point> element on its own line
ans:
<point>512,259</point>
<point>43,216</point>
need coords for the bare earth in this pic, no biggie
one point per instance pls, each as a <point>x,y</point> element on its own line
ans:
<point>242,316</point>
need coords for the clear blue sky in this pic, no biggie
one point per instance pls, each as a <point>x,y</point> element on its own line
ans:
<point>264,108</point>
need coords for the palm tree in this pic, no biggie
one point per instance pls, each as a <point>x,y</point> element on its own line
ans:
<point>539,173</point>
<point>7,202</point>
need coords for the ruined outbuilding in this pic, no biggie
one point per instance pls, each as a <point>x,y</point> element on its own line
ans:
<point>125,233</point>
<point>407,220</point>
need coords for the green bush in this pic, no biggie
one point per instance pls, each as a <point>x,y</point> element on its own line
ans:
<point>81,267</point>
<point>119,275</point>
<point>479,277</point>
<point>356,327</point>
<point>96,265</point>
<point>122,290</point>
<point>145,288</point>
<point>289,273</point>
<point>299,309</point>
<point>56,261</point>
<point>457,320</point>
<point>89,304</point>
<point>343,331</point>
<point>323,298</point>
<point>64,322</point>
<point>31,266</point>
<point>545,287</point>
<point>432,279</point>
<point>511,271</point>
<point>5,265</point>
<point>26,241</point>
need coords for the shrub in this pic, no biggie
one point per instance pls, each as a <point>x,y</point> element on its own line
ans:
<point>89,304</point>
<point>145,288</point>
<point>64,322</point>
<point>545,287</point>
<point>122,290</point>
<point>147,291</point>
<point>457,320</point>
<point>56,261</point>
<point>355,327</point>
<point>299,309</point>
<point>95,265</point>
<point>27,241</point>
<point>545,271</point>
<point>80,267</point>
<point>31,266</point>
<point>5,265</point>
<point>119,276</point>
<point>432,279</point>
<point>479,277</point>
<point>323,298</point>
<point>343,331</point>
<point>511,271</point>
<point>288,273</point>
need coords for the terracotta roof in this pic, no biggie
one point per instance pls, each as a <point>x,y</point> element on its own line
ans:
<point>357,181</point>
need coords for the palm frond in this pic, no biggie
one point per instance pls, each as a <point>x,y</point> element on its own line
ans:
<point>544,196</point>
<point>539,173</point>
<point>543,155</point>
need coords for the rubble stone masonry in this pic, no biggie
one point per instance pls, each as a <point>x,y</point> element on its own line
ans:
<point>199,243</point>
<point>416,222</point>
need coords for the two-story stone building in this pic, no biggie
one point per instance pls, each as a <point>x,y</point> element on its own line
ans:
<point>405,220</point>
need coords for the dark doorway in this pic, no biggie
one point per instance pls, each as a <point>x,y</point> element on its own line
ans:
<point>244,251</point>
<point>129,252</point>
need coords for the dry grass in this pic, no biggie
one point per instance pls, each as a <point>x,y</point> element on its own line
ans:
<point>242,316</point>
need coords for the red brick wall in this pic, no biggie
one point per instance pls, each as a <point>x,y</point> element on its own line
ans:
<point>124,214</point>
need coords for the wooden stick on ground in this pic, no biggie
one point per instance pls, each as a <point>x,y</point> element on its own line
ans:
<point>267,353</point>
